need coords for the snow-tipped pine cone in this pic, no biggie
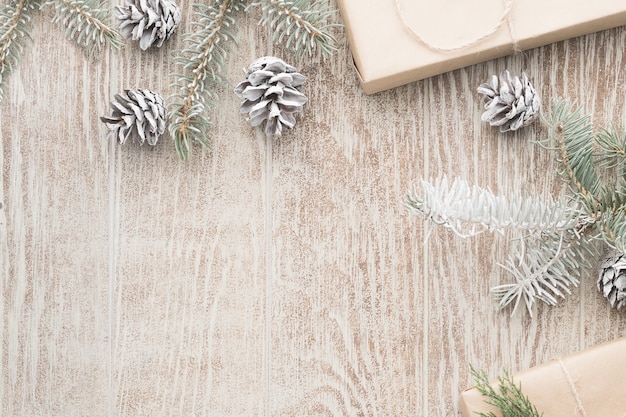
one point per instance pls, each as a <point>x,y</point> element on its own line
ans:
<point>272,93</point>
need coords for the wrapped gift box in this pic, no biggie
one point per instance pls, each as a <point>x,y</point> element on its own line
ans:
<point>395,42</point>
<point>594,380</point>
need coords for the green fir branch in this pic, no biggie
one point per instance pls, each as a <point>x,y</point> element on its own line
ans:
<point>300,25</point>
<point>88,23</point>
<point>15,21</point>
<point>507,396</point>
<point>571,137</point>
<point>472,210</point>
<point>202,63</point>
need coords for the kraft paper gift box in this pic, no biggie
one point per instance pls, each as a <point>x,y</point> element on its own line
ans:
<point>396,42</point>
<point>590,383</point>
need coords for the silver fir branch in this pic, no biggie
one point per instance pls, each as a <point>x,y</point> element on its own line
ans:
<point>87,22</point>
<point>300,25</point>
<point>15,21</point>
<point>560,240</point>
<point>202,67</point>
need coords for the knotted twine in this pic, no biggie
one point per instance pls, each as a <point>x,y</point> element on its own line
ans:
<point>505,18</point>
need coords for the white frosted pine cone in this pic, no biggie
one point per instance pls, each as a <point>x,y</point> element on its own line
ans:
<point>612,278</point>
<point>272,94</point>
<point>510,102</point>
<point>151,22</point>
<point>139,115</point>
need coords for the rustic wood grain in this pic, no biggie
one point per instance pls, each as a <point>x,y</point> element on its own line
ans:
<point>190,253</point>
<point>54,232</point>
<point>269,278</point>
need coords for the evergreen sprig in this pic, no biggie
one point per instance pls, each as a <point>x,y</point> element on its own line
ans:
<point>544,269</point>
<point>560,239</point>
<point>471,210</point>
<point>571,138</point>
<point>303,26</point>
<point>88,23</point>
<point>15,28</point>
<point>508,397</point>
<point>202,64</point>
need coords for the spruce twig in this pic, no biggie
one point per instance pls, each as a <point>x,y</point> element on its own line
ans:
<point>544,268</point>
<point>88,23</point>
<point>301,25</point>
<point>14,29</point>
<point>570,137</point>
<point>508,397</point>
<point>202,64</point>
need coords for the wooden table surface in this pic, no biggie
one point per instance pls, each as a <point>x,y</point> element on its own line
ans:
<point>269,278</point>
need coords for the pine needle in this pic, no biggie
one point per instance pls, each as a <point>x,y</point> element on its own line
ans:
<point>202,63</point>
<point>544,269</point>
<point>571,137</point>
<point>300,25</point>
<point>507,397</point>
<point>88,23</point>
<point>471,210</point>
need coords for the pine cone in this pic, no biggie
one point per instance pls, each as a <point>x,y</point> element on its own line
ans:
<point>140,115</point>
<point>510,103</point>
<point>272,94</point>
<point>151,22</point>
<point>612,278</point>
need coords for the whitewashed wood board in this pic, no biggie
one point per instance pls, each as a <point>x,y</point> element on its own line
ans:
<point>269,278</point>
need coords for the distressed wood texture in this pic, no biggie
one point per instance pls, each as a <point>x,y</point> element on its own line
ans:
<point>269,278</point>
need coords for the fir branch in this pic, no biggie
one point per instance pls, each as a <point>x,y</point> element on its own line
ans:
<point>202,63</point>
<point>508,398</point>
<point>613,229</point>
<point>302,25</point>
<point>14,29</point>
<point>87,22</point>
<point>544,269</point>
<point>612,144</point>
<point>471,210</point>
<point>571,137</point>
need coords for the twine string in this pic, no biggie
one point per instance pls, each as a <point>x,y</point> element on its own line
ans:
<point>505,18</point>
<point>572,386</point>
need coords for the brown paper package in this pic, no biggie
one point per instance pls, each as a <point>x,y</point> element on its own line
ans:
<point>387,55</point>
<point>589,383</point>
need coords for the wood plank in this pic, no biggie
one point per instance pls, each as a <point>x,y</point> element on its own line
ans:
<point>54,351</point>
<point>346,287</point>
<point>190,249</point>
<point>269,277</point>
